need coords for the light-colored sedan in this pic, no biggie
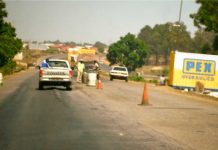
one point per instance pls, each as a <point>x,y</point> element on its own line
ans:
<point>119,72</point>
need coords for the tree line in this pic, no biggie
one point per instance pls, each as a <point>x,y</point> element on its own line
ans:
<point>163,38</point>
<point>134,50</point>
<point>158,42</point>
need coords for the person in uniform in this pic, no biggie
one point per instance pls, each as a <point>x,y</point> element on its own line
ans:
<point>96,67</point>
<point>80,67</point>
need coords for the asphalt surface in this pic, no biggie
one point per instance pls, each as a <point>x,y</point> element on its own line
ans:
<point>91,119</point>
<point>104,67</point>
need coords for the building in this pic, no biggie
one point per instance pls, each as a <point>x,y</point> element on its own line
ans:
<point>37,46</point>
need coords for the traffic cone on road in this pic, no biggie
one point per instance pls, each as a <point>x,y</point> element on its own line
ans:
<point>99,85</point>
<point>145,96</point>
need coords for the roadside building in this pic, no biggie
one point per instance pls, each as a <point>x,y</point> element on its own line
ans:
<point>37,46</point>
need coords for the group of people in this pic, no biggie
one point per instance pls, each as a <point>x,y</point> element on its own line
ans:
<point>81,67</point>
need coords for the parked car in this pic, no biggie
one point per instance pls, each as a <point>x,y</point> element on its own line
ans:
<point>55,72</point>
<point>119,72</point>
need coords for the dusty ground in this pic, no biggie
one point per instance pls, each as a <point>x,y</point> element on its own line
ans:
<point>188,120</point>
<point>173,120</point>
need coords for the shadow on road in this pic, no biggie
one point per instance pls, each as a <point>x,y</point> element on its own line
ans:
<point>52,88</point>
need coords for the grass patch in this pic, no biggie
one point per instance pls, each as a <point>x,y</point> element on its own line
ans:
<point>136,78</point>
<point>153,81</point>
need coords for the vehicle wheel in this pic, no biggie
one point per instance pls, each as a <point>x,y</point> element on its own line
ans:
<point>126,79</point>
<point>40,86</point>
<point>68,87</point>
<point>111,78</point>
<point>83,78</point>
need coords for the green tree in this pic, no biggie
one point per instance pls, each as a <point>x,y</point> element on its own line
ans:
<point>201,39</point>
<point>166,37</point>
<point>215,45</point>
<point>207,15</point>
<point>146,36</point>
<point>3,12</point>
<point>179,38</point>
<point>10,45</point>
<point>206,48</point>
<point>153,38</point>
<point>129,51</point>
<point>100,46</point>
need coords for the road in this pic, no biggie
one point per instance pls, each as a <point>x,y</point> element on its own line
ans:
<point>104,67</point>
<point>87,118</point>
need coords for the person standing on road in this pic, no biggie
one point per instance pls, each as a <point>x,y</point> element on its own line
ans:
<point>96,65</point>
<point>80,67</point>
<point>73,63</point>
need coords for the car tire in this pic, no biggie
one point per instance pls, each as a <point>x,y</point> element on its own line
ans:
<point>40,86</point>
<point>68,87</point>
<point>111,78</point>
<point>126,79</point>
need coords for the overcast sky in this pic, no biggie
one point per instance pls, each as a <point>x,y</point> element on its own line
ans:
<point>91,21</point>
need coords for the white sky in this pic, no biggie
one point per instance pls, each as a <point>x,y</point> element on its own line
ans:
<point>91,21</point>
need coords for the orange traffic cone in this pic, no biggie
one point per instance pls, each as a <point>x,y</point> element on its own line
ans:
<point>99,85</point>
<point>145,96</point>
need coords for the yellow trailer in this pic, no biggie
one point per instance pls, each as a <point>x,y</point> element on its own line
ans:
<point>188,68</point>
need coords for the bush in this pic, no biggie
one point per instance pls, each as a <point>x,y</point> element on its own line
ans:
<point>8,68</point>
<point>153,81</point>
<point>136,78</point>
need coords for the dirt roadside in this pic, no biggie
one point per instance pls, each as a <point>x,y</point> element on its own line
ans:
<point>193,95</point>
<point>171,90</point>
<point>12,82</point>
<point>187,120</point>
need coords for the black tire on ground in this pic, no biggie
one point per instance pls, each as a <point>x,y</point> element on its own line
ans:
<point>83,78</point>
<point>126,79</point>
<point>40,86</point>
<point>111,78</point>
<point>68,87</point>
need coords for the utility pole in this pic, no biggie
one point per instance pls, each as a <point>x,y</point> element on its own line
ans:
<point>180,11</point>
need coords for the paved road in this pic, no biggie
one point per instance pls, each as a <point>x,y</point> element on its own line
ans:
<point>104,67</point>
<point>87,118</point>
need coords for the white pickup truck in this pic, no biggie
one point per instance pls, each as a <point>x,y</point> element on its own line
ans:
<point>55,72</point>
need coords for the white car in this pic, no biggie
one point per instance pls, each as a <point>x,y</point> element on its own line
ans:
<point>119,72</point>
<point>55,72</point>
